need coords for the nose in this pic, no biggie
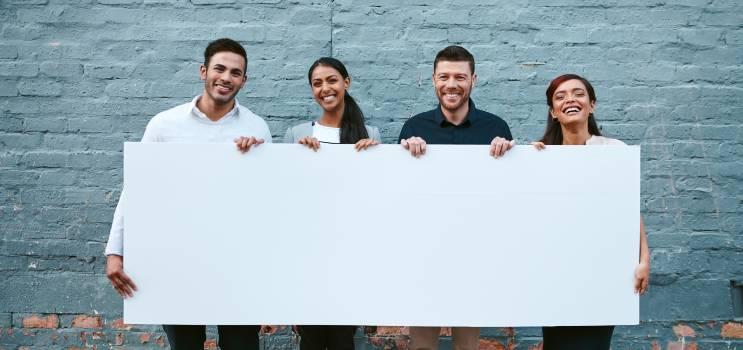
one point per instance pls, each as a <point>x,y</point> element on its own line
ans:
<point>451,83</point>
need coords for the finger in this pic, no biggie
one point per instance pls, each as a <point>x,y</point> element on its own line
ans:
<point>498,149</point>
<point>511,144</point>
<point>423,146</point>
<point>128,281</point>
<point>416,149</point>
<point>638,284</point>
<point>405,144</point>
<point>315,144</point>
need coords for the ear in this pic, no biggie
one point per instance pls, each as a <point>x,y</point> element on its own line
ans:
<point>245,80</point>
<point>474,79</point>
<point>347,82</point>
<point>593,106</point>
<point>202,72</point>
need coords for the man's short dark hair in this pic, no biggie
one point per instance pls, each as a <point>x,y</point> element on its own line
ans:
<point>222,45</point>
<point>455,53</point>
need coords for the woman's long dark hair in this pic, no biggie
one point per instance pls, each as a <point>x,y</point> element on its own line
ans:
<point>352,122</point>
<point>553,131</point>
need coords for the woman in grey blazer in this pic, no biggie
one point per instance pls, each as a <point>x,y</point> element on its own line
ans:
<point>342,121</point>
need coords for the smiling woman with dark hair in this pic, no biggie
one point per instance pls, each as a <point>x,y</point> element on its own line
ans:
<point>342,120</point>
<point>570,121</point>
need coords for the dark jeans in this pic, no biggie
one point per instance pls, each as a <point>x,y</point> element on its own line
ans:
<point>326,337</point>
<point>188,337</point>
<point>577,338</point>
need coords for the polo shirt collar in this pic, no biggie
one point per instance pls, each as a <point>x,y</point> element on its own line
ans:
<point>198,114</point>
<point>472,114</point>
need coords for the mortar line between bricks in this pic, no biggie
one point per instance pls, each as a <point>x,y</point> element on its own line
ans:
<point>332,9</point>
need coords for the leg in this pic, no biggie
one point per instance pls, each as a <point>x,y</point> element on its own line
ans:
<point>185,337</point>
<point>577,338</point>
<point>424,338</point>
<point>238,337</point>
<point>341,337</point>
<point>312,337</point>
<point>466,338</point>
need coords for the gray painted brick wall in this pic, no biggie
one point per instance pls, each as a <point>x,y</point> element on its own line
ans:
<point>78,78</point>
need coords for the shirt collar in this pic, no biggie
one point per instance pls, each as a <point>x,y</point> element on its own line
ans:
<point>198,114</point>
<point>472,114</point>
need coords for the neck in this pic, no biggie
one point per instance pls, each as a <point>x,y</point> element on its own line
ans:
<point>575,134</point>
<point>456,116</point>
<point>332,118</point>
<point>213,110</point>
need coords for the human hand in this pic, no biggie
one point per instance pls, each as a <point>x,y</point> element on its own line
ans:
<point>310,142</point>
<point>416,146</point>
<point>244,143</point>
<point>119,279</point>
<point>499,146</point>
<point>364,144</point>
<point>642,277</point>
<point>538,145</point>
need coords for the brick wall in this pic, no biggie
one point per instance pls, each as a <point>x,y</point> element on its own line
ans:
<point>78,78</point>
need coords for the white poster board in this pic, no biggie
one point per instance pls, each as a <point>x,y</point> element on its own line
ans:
<point>284,235</point>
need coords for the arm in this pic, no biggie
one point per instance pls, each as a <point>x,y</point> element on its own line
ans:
<point>642,271</point>
<point>121,282</point>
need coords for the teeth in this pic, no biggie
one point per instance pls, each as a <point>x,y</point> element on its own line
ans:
<point>572,109</point>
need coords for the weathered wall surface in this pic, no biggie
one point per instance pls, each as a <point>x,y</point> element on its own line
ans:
<point>78,78</point>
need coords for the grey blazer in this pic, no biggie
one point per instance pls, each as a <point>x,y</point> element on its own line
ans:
<point>296,132</point>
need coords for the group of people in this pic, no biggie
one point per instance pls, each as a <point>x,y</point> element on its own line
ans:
<point>216,116</point>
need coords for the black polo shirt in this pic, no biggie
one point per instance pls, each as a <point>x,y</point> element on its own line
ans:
<point>478,128</point>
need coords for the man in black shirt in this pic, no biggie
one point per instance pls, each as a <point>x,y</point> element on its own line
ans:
<point>454,121</point>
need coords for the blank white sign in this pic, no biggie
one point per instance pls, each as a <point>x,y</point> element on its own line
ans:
<point>284,235</point>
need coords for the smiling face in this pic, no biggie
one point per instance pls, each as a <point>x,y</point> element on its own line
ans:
<point>571,103</point>
<point>224,77</point>
<point>328,87</point>
<point>453,82</point>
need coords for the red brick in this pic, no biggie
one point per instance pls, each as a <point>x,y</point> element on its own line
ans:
<point>490,344</point>
<point>86,321</point>
<point>210,344</point>
<point>674,345</point>
<point>119,324</point>
<point>386,330</point>
<point>36,321</point>
<point>401,341</point>
<point>145,338</point>
<point>683,330</point>
<point>732,330</point>
<point>97,335</point>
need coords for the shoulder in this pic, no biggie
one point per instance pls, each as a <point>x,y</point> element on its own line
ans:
<point>248,114</point>
<point>373,132</point>
<point>298,131</point>
<point>491,118</point>
<point>172,115</point>
<point>601,140</point>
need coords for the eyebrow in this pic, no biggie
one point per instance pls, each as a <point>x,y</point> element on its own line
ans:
<point>329,76</point>
<point>564,91</point>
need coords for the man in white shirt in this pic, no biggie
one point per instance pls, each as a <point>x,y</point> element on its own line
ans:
<point>214,116</point>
